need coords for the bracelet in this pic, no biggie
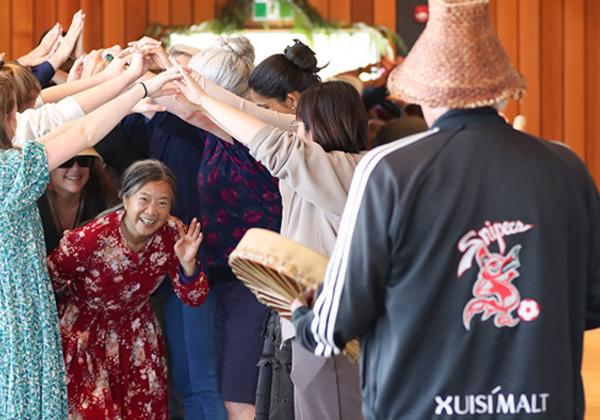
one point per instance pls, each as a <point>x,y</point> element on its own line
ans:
<point>145,89</point>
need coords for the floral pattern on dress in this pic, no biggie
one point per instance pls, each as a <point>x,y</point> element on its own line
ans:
<point>32,378</point>
<point>112,343</point>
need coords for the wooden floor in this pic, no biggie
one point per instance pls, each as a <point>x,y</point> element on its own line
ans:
<point>591,374</point>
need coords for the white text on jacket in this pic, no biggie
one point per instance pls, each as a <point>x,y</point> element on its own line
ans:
<point>493,403</point>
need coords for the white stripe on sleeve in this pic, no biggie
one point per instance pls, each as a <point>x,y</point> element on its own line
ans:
<point>327,304</point>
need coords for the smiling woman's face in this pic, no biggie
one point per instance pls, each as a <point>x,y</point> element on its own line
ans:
<point>147,210</point>
<point>69,180</point>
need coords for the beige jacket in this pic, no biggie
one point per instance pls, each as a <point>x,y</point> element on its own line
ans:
<point>314,185</point>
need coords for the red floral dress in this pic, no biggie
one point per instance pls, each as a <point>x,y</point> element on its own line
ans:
<point>112,343</point>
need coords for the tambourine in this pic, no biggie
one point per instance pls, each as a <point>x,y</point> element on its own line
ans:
<point>277,270</point>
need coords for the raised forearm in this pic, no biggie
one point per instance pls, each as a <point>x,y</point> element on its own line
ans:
<point>58,92</point>
<point>268,116</point>
<point>92,98</point>
<point>89,130</point>
<point>238,124</point>
<point>100,122</point>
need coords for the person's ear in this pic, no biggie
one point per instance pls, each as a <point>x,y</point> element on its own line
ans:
<point>292,100</point>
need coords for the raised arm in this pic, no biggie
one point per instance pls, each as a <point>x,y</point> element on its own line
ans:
<point>189,282</point>
<point>34,123</point>
<point>89,130</point>
<point>238,124</point>
<point>115,81</point>
<point>44,50</point>
<point>191,114</point>
<point>58,92</point>
<point>274,118</point>
<point>67,44</point>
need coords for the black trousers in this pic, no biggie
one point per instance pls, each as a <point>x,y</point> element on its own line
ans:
<point>275,390</point>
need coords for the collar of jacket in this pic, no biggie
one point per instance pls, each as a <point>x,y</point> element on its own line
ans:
<point>463,117</point>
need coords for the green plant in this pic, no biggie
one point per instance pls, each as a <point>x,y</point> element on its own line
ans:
<point>305,20</point>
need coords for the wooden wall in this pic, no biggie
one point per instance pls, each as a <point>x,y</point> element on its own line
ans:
<point>554,45</point>
<point>116,21</point>
<point>552,42</point>
<point>591,374</point>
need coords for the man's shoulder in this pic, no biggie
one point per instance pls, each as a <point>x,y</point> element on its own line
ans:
<point>405,156</point>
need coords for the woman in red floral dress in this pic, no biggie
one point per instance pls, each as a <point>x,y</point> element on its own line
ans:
<point>103,274</point>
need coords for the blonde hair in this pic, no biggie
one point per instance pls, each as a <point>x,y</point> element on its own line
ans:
<point>27,88</point>
<point>228,63</point>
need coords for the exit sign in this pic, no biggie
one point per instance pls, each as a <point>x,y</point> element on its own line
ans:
<point>271,10</point>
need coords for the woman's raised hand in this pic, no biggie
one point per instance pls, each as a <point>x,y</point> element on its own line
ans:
<point>49,42</point>
<point>147,106</point>
<point>144,41</point>
<point>76,71</point>
<point>190,86</point>
<point>44,50</point>
<point>93,63</point>
<point>67,43</point>
<point>156,85</point>
<point>74,30</point>
<point>186,247</point>
<point>151,48</point>
<point>137,65</point>
<point>115,68</point>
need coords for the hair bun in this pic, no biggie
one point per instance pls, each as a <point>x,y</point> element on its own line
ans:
<point>239,45</point>
<point>302,56</point>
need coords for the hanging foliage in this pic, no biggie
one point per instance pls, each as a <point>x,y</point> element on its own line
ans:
<point>305,19</point>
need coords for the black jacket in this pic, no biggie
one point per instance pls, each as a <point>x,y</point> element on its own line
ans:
<point>468,263</point>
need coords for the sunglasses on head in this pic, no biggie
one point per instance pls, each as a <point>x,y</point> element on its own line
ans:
<point>82,162</point>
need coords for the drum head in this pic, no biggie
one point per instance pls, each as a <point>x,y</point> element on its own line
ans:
<point>277,270</point>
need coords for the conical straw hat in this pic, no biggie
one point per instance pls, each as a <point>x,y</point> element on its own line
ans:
<point>277,270</point>
<point>457,62</point>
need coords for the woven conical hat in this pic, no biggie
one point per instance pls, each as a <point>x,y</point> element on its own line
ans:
<point>457,62</point>
<point>277,270</point>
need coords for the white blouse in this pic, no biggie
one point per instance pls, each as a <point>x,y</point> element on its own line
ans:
<point>34,123</point>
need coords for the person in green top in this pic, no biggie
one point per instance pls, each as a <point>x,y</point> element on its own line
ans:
<point>32,382</point>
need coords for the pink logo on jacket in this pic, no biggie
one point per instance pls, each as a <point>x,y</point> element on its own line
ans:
<point>494,293</point>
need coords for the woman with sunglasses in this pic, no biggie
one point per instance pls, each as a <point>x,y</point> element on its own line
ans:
<point>32,384</point>
<point>78,191</point>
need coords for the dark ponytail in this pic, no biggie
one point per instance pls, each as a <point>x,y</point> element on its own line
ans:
<point>280,74</point>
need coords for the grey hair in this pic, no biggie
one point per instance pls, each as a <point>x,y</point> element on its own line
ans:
<point>228,63</point>
<point>139,174</point>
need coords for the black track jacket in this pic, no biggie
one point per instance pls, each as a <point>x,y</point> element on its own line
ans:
<point>468,263</point>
